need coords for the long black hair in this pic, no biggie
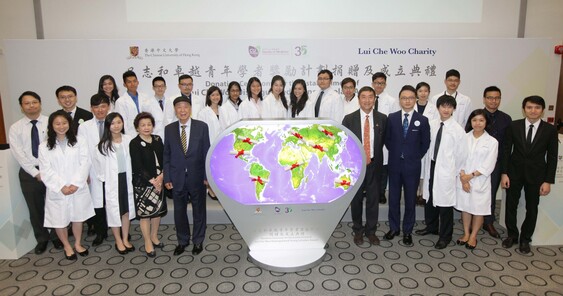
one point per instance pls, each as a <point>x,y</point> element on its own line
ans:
<point>52,135</point>
<point>248,86</point>
<point>282,94</point>
<point>105,145</point>
<point>114,92</point>
<point>297,106</point>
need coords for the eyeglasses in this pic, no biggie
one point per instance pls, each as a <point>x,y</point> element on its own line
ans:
<point>408,98</point>
<point>186,84</point>
<point>66,97</point>
<point>348,87</point>
<point>323,78</point>
<point>379,83</point>
<point>493,98</point>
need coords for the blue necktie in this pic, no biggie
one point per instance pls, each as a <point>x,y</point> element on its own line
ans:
<point>34,139</point>
<point>405,125</point>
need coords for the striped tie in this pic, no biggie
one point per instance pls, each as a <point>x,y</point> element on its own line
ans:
<point>367,140</point>
<point>184,139</point>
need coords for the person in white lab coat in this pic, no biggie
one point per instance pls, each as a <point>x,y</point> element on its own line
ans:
<point>64,163</point>
<point>298,100</point>
<point>108,87</point>
<point>275,103</point>
<point>133,102</point>
<point>159,88</point>
<point>113,166</point>
<point>91,131</point>
<point>444,161</point>
<point>463,102</point>
<point>325,102</point>
<point>228,113</point>
<point>349,98</point>
<point>429,110</point>
<point>473,197</point>
<point>185,85</point>
<point>252,108</point>
<point>211,113</point>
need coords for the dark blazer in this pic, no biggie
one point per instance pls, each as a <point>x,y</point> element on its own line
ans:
<point>535,164</point>
<point>80,114</point>
<point>143,164</point>
<point>412,147</point>
<point>177,164</point>
<point>353,122</point>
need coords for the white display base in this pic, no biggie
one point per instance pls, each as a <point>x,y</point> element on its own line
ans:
<point>294,260</point>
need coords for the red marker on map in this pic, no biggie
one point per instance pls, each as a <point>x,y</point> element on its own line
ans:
<point>318,147</point>
<point>345,183</point>
<point>245,140</point>
<point>293,166</point>
<point>327,133</point>
<point>298,136</point>
<point>259,180</point>
<point>239,153</point>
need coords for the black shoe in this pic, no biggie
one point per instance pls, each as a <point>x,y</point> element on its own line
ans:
<point>491,230</point>
<point>83,253</point>
<point>71,257</point>
<point>197,249</point>
<point>441,245</point>
<point>213,197</point>
<point>459,242</point>
<point>151,254</point>
<point>98,240</point>
<point>179,249</point>
<point>130,249</point>
<point>425,231</point>
<point>508,242</point>
<point>391,234</point>
<point>382,199</point>
<point>407,239</point>
<point>470,247</point>
<point>159,245</point>
<point>57,244</point>
<point>525,247</point>
<point>41,248</point>
<point>122,252</point>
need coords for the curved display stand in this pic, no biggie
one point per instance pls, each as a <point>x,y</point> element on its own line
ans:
<point>285,186</point>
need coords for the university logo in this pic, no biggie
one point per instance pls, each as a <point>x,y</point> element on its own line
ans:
<point>253,51</point>
<point>133,51</point>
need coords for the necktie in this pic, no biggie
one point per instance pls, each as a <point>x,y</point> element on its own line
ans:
<point>161,103</point>
<point>405,125</point>
<point>70,114</point>
<point>101,128</point>
<point>34,139</point>
<point>318,104</point>
<point>367,140</point>
<point>376,105</point>
<point>184,139</point>
<point>529,137</point>
<point>438,139</point>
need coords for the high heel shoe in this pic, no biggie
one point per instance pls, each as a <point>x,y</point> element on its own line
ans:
<point>83,253</point>
<point>71,257</point>
<point>159,245</point>
<point>130,249</point>
<point>151,254</point>
<point>470,247</point>
<point>459,242</point>
<point>120,251</point>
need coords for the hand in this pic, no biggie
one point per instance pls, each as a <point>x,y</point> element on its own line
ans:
<point>505,181</point>
<point>465,177</point>
<point>73,189</point>
<point>205,183</point>
<point>168,185</point>
<point>38,177</point>
<point>467,187</point>
<point>66,190</point>
<point>545,189</point>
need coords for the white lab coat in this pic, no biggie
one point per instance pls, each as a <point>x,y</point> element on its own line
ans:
<point>88,131</point>
<point>463,107</point>
<point>106,168</point>
<point>250,109</point>
<point>430,111</point>
<point>198,103</point>
<point>61,168</point>
<point>451,157</point>
<point>387,104</point>
<point>350,106</point>
<point>331,105</point>
<point>482,157</point>
<point>126,107</point>
<point>272,108</point>
<point>158,115</point>
<point>307,111</point>
<point>227,114</point>
<point>208,116</point>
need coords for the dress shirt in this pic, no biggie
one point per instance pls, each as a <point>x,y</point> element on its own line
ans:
<point>20,142</point>
<point>534,130</point>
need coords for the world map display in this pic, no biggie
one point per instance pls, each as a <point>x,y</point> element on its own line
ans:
<point>285,164</point>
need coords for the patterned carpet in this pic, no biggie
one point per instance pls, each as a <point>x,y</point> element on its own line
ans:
<point>224,268</point>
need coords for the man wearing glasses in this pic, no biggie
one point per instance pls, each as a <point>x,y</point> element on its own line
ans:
<point>159,88</point>
<point>463,102</point>
<point>326,101</point>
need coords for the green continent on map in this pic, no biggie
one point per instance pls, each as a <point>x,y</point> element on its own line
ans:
<point>344,181</point>
<point>254,135</point>
<point>261,174</point>
<point>295,160</point>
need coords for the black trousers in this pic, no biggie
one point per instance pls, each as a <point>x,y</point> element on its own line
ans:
<point>532,196</point>
<point>371,186</point>
<point>34,195</point>
<point>437,218</point>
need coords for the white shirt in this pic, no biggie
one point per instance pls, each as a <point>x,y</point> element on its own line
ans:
<point>331,104</point>
<point>273,108</point>
<point>250,109</point>
<point>20,142</point>
<point>158,115</point>
<point>430,111</point>
<point>387,104</point>
<point>208,116</point>
<point>534,129</point>
<point>128,110</point>
<point>371,133</point>
<point>350,106</point>
<point>463,106</point>
<point>228,114</point>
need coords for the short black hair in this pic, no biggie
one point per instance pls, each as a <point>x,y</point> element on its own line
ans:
<point>476,112</point>
<point>491,88</point>
<point>128,74</point>
<point>142,115</point>
<point>407,87</point>
<point>182,99</point>
<point>446,100</point>
<point>210,91</point>
<point>453,72</point>
<point>366,88</point>
<point>378,75</point>
<point>348,80</point>
<point>98,99</point>
<point>421,85</point>
<point>534,99</point>
<point>185,76</point>
<point>65,88</point>
<point>29,93</point>
<point>325,71</point>
<point>158,78</point>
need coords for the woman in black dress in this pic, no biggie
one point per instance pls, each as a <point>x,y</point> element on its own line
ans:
<point>146,162</point>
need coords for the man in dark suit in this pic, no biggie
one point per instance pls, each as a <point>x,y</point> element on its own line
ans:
<point>369,126</point>
<point>186,143</point>
<point>407,137</point>
<point>67,98</point>
<point>529,162</point>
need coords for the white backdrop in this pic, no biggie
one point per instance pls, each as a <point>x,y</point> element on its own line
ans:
<point>520,67</point>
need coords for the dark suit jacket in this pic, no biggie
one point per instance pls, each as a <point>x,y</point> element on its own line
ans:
<point>413,147</point>
<point>176,162</point>
<point>143,164</point>
<point>353,122</point>
<point>80,114</point>
<point>535,164</point>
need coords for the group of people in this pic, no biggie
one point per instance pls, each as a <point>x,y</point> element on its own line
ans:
<point>120,161</point>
